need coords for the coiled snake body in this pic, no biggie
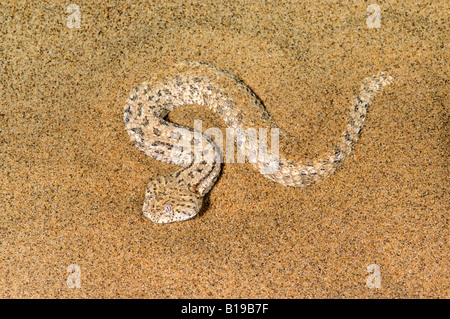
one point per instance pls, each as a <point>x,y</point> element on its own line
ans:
<point>178,196</point>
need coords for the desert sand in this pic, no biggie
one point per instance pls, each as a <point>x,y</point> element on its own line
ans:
<point>72,182</point>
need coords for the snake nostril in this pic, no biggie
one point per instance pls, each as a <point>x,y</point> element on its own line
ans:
<point>167,209</point>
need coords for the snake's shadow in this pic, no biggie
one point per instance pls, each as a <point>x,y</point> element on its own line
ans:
<point>206,200</point>
<point>205,206</point>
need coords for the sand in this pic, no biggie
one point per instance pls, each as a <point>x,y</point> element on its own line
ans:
<point>72,182</point>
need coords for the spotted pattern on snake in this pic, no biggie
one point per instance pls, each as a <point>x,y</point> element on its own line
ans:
<point>178,196</point>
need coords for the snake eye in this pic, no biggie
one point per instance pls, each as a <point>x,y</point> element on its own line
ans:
<point>167,209</point>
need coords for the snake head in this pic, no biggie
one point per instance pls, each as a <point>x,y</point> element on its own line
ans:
<point>170,200</point>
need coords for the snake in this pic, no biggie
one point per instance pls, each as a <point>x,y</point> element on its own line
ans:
<point>179,196</point>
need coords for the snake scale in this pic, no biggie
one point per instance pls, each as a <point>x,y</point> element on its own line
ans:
<point>178,196</point>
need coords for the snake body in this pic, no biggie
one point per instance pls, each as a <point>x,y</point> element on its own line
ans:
<point>178,196</point>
